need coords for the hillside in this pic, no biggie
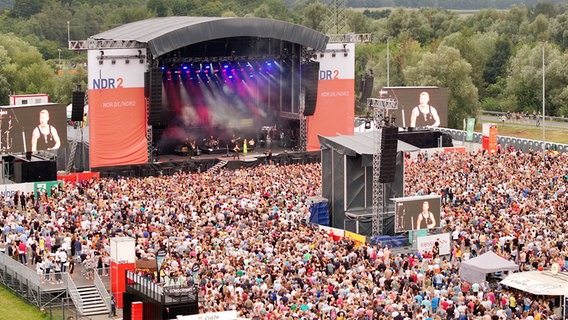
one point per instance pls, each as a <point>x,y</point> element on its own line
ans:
<point>6,4</point>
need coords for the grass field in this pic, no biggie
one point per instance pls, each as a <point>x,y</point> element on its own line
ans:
<point>553,133</point>
<point>12,307</point>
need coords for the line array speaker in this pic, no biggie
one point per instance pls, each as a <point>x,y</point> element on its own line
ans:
<point>310,73</point>
<point>77,105</point>
<point>389,143</point>
<point>367,88</point>
<point>155,116</point>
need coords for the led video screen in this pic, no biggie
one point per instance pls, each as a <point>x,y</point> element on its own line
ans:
<point>32,128</point>
<point>414,213</point>
<point>418,106</point>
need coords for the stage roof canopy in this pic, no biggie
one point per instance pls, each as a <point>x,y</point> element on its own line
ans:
<point>166,34</point>
<point>359,143</point>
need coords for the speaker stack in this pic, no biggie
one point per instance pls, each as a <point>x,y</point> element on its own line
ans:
<point>155,116</point>
<point>389,142</point>
<point>366,88</point>
<point>77,106</point>
<point>310,76</point>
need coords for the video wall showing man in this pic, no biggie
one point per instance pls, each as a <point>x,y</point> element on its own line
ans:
<point>418,106</point>
<point>32,128</point>
<point>419,212</point>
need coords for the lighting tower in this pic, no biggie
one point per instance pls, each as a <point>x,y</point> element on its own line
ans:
<point>336,28</point>
<point>381,118</point>
<point>335,21</point>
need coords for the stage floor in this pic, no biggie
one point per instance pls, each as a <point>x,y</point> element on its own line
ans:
<point>222,154</point>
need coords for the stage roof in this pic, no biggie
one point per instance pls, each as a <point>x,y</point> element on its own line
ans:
<point>166,34</point>
<point>359,143</point>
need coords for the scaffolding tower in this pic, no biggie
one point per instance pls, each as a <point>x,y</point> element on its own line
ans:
<point>381,118</point>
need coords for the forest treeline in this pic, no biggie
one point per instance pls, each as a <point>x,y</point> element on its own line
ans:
<point>446,4</point>
<point>491,59</point>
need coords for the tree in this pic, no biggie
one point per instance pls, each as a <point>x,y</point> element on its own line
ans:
<point>25,70</point>
<point>524,83</point>
<point>24,9</point>
<point>446,68</point>
<point>159,7</point>
<point>559,30</point>
<point>313,16</point>
<point>409,24</point>
<point>4,85</point>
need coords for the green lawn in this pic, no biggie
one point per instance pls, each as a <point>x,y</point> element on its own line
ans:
<point>12,307</point>
<point>529,130</point>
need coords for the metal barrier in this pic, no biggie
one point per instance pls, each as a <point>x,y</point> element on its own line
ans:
<point>21,274</point>
<point>102,290</point>
<point>73,292</point>
<point>160,292</point>
<point>518,143</point>
<point>26,283</point>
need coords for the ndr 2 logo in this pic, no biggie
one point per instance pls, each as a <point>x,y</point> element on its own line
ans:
<point>329,74</point>
<point>107,83</point>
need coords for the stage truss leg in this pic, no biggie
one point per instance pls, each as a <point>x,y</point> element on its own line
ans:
<point>149,134</point>
<point>303,143</point>
<point>381,119</point>
<point>378,187</point>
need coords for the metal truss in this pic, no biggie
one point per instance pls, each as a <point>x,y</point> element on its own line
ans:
<point>91,44</point>
<point>303,143</point>
<point>350,38</point>
<point>381,119</point>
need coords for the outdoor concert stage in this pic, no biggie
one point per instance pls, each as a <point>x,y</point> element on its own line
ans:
<point>168,164</point>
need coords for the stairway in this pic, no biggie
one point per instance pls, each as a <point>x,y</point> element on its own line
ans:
<point>218,166</point>
<point>93,303</point>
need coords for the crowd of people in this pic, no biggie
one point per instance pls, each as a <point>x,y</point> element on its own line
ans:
<point>248,231</point>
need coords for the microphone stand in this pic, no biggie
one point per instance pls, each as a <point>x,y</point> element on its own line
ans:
<point>23,131</point>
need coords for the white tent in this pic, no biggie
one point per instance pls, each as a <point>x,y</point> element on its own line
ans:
<point>539,282</point>
<point>70,108</point>
<point>475,269</point>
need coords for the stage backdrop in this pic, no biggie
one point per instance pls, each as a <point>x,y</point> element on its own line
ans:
<point>335,108</point>
<point>117,110</point>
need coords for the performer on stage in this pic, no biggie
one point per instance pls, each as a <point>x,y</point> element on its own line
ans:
<point>236,149</point>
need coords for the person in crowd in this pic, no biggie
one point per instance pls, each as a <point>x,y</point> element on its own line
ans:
<point>45,136</point>
<point>424,115</point>
<point>425,219</point>
<point>248,231</point>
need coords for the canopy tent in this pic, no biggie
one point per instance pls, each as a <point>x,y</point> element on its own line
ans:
<point>539,282</point>
<point>145,264</point>
<point>475,269</point>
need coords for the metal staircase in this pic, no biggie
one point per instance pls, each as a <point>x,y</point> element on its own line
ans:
<point>218,166</point>
<point>92,302</point>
